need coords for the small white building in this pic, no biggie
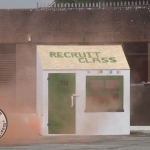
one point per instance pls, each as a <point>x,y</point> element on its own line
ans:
<point>83,90</point>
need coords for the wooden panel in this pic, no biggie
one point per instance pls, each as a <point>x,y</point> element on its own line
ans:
<point>61,116</point>
<point>82,57</point>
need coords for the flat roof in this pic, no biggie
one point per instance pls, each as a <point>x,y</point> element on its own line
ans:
<point>82,57</point>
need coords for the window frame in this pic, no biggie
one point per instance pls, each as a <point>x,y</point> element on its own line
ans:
<point>104,108</point>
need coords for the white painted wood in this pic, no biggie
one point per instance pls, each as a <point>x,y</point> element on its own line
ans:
<point>87,123</point>
<point>140,128</point>
<point>98,123</point>
<point>62,57</point>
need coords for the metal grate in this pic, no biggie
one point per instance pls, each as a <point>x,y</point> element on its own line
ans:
<point>7,81</point>
<point>98,4</point>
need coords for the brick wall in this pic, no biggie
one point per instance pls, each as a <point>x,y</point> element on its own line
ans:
<point>66,26</point>
<point>26,78</point>
<point>85,26</point>
<point>148,61</point>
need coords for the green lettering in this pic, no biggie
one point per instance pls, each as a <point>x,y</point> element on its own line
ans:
<point>80,60</point>
<point>52,54</point>
<point>87,60</point>
<point>96,59</point>
<point>104,59</point>
<point>59,54</point>
<point>112,59</point>
<point>96,53</point>
<point>89,54</point>
<point>84,55</point>
<point>65,54</point>
<point>74,54</point>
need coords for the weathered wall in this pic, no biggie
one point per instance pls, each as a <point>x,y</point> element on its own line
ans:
<point>64,26</point>
<point>148,61</point>
<point>139,111</point>
<point>7,77</point>
<point>26,78</point>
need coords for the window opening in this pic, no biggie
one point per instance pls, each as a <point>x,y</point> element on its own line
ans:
<point>104,93</point>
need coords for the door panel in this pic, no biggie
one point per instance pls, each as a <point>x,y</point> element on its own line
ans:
<point>61,116</point>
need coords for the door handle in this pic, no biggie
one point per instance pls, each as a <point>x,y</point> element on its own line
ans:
<point>75,95</point>
<point>72,99</point>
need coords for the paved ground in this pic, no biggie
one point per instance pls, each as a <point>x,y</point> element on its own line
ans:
<point>135,141</point>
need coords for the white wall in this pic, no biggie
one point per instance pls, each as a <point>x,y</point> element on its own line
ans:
<point>102,123</point>
<point>95,123</point>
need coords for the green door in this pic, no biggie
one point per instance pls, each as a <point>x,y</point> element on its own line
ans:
<point>61,111</point>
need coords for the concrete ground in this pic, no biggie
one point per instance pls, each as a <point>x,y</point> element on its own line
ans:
<point>22,134</point>
<point>136,141</point>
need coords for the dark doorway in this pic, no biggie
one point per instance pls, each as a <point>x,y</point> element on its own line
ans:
<point>137,57</point>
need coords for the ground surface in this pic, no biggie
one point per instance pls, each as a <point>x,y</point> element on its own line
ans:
<point>135,141</point>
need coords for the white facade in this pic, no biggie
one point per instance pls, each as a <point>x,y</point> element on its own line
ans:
<point>86,123</point>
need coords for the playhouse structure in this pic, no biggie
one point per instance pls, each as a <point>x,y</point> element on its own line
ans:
<point>83,90</point>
